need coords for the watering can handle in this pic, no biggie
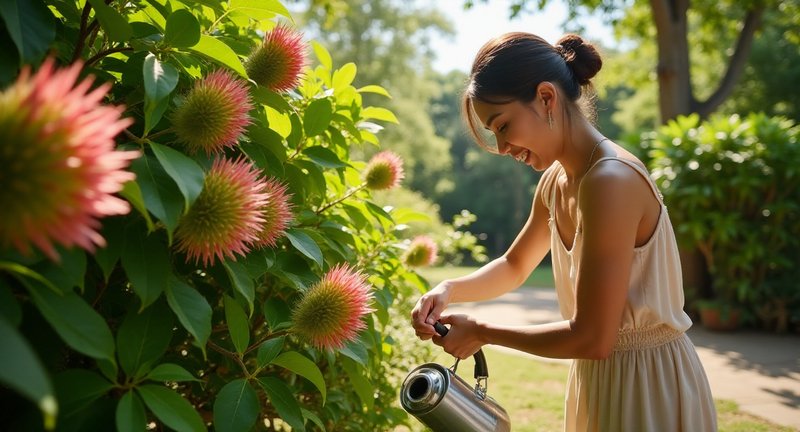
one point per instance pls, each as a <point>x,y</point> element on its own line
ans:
<point>481,369</point>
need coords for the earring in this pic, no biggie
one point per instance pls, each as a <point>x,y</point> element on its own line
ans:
<point>550,119</point>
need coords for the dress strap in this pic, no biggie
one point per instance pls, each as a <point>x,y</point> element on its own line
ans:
<point>636,168</point>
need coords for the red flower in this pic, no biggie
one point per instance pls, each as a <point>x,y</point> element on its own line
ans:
<point>330,313</point>
<point>277,63</point>
<point>226,218</point>
<point>421,252</point>
<point>59,167</point>
<point>384,171</point>
<point>214,113</point>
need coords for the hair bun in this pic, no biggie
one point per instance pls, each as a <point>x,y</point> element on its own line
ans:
<point>581,57</point>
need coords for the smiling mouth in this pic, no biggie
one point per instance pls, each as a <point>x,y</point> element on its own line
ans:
<point>522,156</point>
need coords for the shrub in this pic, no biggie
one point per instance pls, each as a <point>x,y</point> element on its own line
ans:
<point>732,186</point>
<point>174,305</point>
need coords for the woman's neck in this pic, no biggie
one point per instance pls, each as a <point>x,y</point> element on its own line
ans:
<point>581,148</point>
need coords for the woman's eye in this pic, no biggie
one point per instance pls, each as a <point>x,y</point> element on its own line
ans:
<point>502,128</point>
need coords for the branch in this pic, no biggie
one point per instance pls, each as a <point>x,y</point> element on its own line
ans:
<point>83,31</point>
<point>736,65</point>
<point>231,355</point>
<point>95,58</point>
<point>344,197</point>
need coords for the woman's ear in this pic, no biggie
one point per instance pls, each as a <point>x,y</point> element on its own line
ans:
<point>546,92</point>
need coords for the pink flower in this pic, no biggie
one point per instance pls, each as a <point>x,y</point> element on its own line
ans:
<point>421,252</point>
<point>277,63</point>
<point>276,212</point>
<point>330,313</point>
<point>384,171</point>
<point>59,167</point>
<point>226,218</point>
<point>214,113</point>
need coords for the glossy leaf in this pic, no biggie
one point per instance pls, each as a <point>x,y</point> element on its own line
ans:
<point>238,326</point>
<point>277,314</point>
<point>146,262</point>
<point>22,371</point>
<point>343,77</point>
<point>143,338</point>
<point>161,196</point>
<point>323,55</point>
<point>375,89</point>
<point>133,193</point>
<point>379,113</point>
<point>77,389</point>
<point>160,80</point>
<point>297,363</point>
<point>360,383</point>
<point>172,409</point>
<point>317,117</point>
<point>268,350</point>
<point>254,7</point>
<point>67,274</point>
<point>80,326</point>
<point>280,396</point>
<point>217,51</point>
<point>324,157</point>
<point>183,29</point>
<point>113,24</point>
<point>242,281</point>
<point>130,416</point>
<point>236,407</point>
<point>191,308</point>
<point>186,173</point>
<point>170,372</point>
<point>30,25</point>
<point>305,244</point>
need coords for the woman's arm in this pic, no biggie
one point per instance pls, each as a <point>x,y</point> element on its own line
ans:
<point>495,278</point>
<point>612,202</point>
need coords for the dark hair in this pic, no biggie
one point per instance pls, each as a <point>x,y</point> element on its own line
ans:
<point>510,68</point>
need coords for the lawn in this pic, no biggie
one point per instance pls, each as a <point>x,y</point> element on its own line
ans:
<point>542,277</point>
<point>532,392</point>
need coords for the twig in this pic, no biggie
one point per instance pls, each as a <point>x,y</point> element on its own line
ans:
<point>347,195</point>
<point>102,54</point>
<point>231,355</point>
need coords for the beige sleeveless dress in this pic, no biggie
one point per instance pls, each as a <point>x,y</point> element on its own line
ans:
<point>654,380</point>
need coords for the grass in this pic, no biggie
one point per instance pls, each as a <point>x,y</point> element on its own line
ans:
<point>532,392</point>
<point>542,277</point>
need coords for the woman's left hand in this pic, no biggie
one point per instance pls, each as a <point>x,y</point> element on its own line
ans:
<point>463,339</point>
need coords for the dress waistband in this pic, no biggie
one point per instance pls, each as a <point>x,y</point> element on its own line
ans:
<point>646,337</point>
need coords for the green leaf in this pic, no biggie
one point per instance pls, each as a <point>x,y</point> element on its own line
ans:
<point>305,244</point>
<point>186,173</point>
<point>295,362</point>
<point>253,7</point>
<point>169,407</point>
<point>146,262</point>
<point>317,117</point>
<point>76,389</point>
<point>310,415</point>
<point>379,113</point>
<point>31,26</point>
<point>270,349</point>
<point>242,282</point>
<point>161,196</point>
<point>280,396</point>
<point>133,193</point>
<point>343,77</point>
<point>191,308</point>
<point>143,338</point>
<point>374,89</point>
<point>170,372</point>
<point>183,29</point>
<point>130,413</point>
<point>217,51</point>
<point>324,157</point>
<point>10,311</point>
<point>238,326</point>
<point>323,55</point>
<point>270,98</point>
<point>115,25</point>
<point>67,274</point>
<point>236,407</point>
<point>80,326</point>
<point>22,371</point>
<point>277,314</point>
<point>160,80</point>
<point>360,383</point>
<point>356,351</point>
<point>21,270</point>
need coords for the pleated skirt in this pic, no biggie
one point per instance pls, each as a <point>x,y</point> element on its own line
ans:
<point>653,382</point>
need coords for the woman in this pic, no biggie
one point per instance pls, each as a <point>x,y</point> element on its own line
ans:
<point>614,254</point>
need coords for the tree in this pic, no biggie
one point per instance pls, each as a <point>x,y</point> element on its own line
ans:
<point>726,26</point>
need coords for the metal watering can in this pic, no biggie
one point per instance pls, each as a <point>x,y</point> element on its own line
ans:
<point>444,402</point>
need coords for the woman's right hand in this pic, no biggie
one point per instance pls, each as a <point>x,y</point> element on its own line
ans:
<point>429,308</point>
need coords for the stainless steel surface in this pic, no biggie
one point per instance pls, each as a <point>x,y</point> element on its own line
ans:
<point>446,403</point>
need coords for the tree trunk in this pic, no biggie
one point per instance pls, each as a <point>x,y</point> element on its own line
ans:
<point>674,81</point>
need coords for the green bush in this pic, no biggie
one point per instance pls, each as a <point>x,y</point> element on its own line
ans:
<point>732,187</point>
<point>139,332</point>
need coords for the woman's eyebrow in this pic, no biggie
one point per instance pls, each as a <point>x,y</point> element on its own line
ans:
<point>490,120</point>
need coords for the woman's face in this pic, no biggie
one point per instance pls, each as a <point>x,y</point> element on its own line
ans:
<point>521,130</point>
